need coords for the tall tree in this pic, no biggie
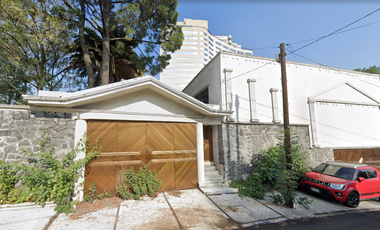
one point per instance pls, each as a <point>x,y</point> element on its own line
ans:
<point>372,69</point>
<point>33,44</point>
<point>123,59</point>
<point>147,23</point>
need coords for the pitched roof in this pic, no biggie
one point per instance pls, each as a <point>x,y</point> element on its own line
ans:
<point>106,92</point>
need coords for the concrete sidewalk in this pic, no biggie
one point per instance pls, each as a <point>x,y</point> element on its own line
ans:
<point>185,209</point>
<point>248,211</point>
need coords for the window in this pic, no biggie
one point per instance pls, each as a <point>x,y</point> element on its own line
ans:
<point>371,173</point>
<point>182,52</point>
<point>363,174</point>
<point>203,43</point>
<point>203,96</point>
<point>205,49</point>
<point>205,59</point>
<point>249,53</point>
<point>204,33</point>
<point>210,44</point>
<point>210,39</point>
<point>203,38</point>
<point>211,49</point>
<point>218,48</point>
<point>225,47</point>
<point>189,32</point>
<point>211,54</point>
<point>190,43</point>
<point>189,47</point>
<point>190,37</point>
<point>218,44</point>
<point>240,52</point>
<point>233,50</point>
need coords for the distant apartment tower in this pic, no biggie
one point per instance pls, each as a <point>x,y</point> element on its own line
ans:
<point>199,47</point>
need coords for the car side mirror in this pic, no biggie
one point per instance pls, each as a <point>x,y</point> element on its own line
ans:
<point>360,179</point>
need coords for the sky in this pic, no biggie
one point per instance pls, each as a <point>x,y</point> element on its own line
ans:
<point>262,25</point>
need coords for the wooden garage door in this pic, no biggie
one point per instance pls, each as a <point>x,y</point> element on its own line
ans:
<point>167,148</point>
<point>368,156</point>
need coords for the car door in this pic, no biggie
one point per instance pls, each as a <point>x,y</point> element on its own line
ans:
<point>375,182</point>
<point>371,185</point>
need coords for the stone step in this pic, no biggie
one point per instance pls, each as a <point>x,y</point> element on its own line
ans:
<point>210,167</point>
<point>213,177</point>
<point>215,183</point>
<point>218,190</point>
<point>209,163</point>
<point>211,172</point>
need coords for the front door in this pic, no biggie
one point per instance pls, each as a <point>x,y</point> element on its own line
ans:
<point>207,143</point>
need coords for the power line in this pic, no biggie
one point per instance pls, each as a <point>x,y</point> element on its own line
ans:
<point>336,31</point>
<point>311,39</point>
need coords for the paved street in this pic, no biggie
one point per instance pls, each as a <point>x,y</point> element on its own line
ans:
<point>346,221</point>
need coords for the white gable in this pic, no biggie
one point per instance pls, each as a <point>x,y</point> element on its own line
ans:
<point>143,101</point>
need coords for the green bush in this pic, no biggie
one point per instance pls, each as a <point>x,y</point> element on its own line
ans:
<point>270,173</point>
<point>91,195</point>
<point>8,180</point>
<point>133,185</point>
<point>52,180</point>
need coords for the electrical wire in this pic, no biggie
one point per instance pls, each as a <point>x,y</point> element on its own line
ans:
<point>358,27</point>
<point>336,31</point>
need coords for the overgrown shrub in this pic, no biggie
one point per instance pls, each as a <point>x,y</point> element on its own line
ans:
<point>270,173</point>
<point>52,180</point>
<point>8,180</point>
<point>91,195</point>
<point>131,185</point>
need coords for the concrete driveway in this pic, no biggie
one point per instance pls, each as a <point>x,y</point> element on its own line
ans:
<point>185,209</point>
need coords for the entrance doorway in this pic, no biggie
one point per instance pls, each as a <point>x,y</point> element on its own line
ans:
<point>207,143</point>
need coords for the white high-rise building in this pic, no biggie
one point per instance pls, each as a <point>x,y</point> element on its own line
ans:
<point>198,48</point>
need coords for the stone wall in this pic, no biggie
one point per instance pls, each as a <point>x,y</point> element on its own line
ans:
<point>240,145</point>
<point>23,130</point>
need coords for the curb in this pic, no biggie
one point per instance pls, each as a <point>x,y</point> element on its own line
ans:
<point>28,205</point>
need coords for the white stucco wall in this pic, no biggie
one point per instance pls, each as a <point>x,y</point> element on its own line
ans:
<point>337,125</point>
<point>143,101</point>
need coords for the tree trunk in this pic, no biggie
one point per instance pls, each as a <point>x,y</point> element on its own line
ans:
<point>106,44</point>
<point>86,55</point>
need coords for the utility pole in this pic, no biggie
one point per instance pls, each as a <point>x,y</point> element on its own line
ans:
<point>285,107</point>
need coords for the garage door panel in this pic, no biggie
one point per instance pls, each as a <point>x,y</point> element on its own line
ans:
<point>186,173</point>
<point>105,132</point>
<point>104,158</point>
<point>185,154</point>
<point>165,173</point>
<point>104,176</point>
<point>160,136</point>
<point>167,148</point>
<point>185,137</point>
<point>131,137</point>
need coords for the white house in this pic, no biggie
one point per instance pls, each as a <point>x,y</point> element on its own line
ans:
<point>330,109</point>
<point>138,122</point>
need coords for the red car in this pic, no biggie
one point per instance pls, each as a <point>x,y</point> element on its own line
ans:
<point>345,182</point>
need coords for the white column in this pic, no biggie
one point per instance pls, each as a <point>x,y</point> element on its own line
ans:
<point>252,100</point>
<point>276,118</point>
<point>228,94</point>
<point>200,153</point>
<point>313,124</point>
<point>80,130</point>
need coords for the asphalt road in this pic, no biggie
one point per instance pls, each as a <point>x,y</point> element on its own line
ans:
<point>352,220</point>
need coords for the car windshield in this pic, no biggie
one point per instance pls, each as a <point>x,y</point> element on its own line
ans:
<point>336,171</point>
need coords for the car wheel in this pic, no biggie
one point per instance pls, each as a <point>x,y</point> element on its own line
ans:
<point>352,200</point>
